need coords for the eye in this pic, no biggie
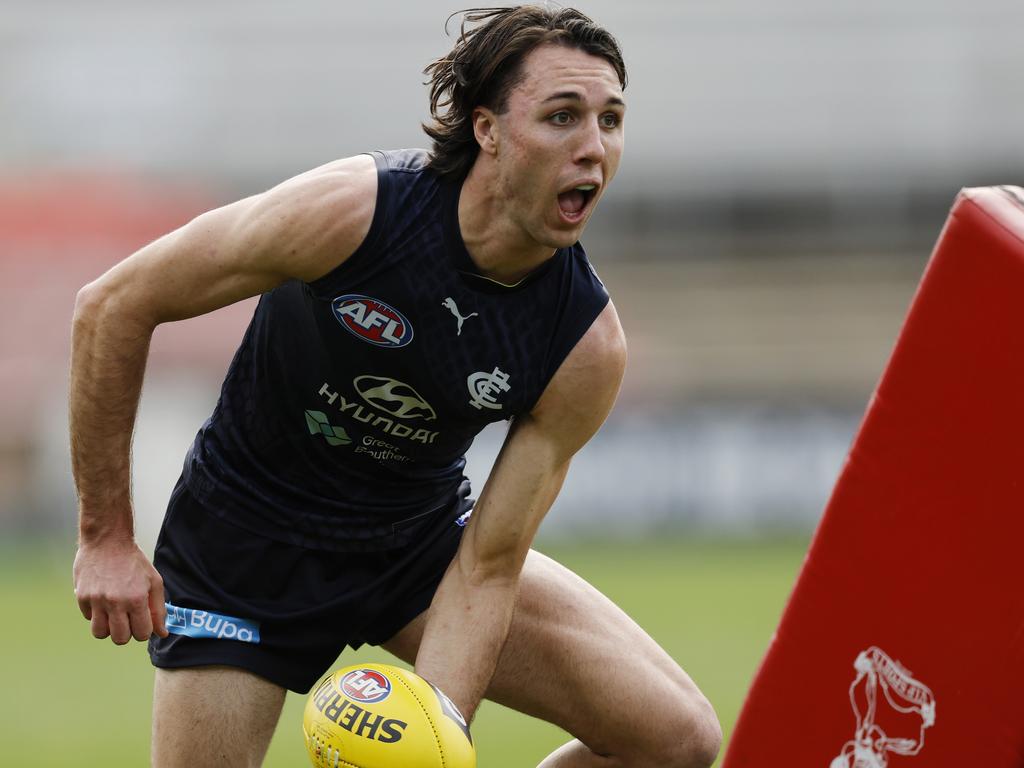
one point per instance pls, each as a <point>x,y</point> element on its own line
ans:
<point>561,118</point>
<point>610,120</point>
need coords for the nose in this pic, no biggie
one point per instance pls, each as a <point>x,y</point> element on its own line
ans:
<point>591,146</point>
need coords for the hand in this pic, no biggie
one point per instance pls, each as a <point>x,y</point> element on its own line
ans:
<point>119,591</point>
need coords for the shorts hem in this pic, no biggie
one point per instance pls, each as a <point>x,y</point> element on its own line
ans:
<point>411,609</point>
<point>276,671</point>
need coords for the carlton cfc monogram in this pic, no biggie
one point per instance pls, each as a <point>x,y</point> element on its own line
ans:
<point>484,388</point>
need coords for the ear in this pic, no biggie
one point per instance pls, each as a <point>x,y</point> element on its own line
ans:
<point>485,128</point>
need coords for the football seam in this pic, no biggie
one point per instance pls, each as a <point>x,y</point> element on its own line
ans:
<point>347,764</point>
<point>437,736</point>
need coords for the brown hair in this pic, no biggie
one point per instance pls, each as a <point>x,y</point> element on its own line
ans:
<point>486,63</point>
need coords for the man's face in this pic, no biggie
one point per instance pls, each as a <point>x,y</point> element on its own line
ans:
<point>559,142</point>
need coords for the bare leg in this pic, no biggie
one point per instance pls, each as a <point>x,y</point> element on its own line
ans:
<point>213,716</point>
<point>575,659</point>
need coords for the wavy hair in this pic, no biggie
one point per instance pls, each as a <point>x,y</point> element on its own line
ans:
<point>486,64</point>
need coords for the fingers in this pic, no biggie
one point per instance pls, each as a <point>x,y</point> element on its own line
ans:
<point>120,627</point>
<point>133,621</point>
<point>157,609</point>
<point>119,592</point>
<point>112,623</point>
<point>121,623</point>
<point>148,616</point>
<point>100,625</point>
<point>85,606</point>
<point>141,621</point>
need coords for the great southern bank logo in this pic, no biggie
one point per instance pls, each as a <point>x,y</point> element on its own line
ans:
<point>372,321</point>
<point>366,686</point>
<point>193,622</point>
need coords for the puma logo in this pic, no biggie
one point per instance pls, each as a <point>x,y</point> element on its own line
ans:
<point>449,302</point>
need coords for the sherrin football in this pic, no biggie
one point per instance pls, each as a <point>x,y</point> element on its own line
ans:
<point>380,716</point>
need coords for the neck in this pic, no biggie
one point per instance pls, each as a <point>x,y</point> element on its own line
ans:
<point>499,248</point>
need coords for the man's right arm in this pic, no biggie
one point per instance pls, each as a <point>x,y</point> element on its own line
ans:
<point>302,229</point>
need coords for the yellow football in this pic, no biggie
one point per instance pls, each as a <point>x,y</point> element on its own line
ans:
<point>380,716</point>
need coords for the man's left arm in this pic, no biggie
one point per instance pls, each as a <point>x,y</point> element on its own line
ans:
<point>471,613</point>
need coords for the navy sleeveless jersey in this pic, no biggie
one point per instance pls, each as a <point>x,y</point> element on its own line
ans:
<point>352,400</point>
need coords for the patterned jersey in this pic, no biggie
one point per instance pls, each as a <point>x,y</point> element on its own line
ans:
<point>350,404</point>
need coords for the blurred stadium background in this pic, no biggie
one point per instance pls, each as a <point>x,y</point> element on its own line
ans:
<point>788,167</point>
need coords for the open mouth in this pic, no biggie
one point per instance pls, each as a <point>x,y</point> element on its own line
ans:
<point>573,203</point>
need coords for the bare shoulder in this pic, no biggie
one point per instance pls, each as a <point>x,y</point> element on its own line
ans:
<point>595,364</point>
<point>602,347</point>
<point>580,395</point>
<point>315,220</point>
<point>302,228</point>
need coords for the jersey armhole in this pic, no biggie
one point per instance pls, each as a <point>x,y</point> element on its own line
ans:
<point>364,253</point>
<point>586,300</point>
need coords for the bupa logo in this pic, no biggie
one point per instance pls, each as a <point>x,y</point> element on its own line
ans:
<point>372,320</point>
<point>367,686</point>
<point>393,396</point>
<point>192,622</point>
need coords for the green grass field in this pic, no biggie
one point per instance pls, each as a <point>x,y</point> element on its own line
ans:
<point>71,700</point>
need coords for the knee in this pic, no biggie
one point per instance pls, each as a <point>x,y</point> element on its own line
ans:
<point>691,735</point>
<point>707,735</point>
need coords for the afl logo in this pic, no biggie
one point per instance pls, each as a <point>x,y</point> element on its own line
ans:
<point>372,320</point>
<point>367,686</point>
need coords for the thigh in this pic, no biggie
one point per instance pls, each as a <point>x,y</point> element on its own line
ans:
<point>577,660</point>
<point>213,716</point>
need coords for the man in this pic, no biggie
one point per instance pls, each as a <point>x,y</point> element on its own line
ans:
<point>407,300</point>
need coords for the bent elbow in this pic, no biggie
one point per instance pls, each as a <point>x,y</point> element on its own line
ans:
<point>89,296</point>
<point>109,302</point>
<point>89,305</point>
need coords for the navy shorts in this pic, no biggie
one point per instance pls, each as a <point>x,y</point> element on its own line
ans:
<point>282,611</point>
